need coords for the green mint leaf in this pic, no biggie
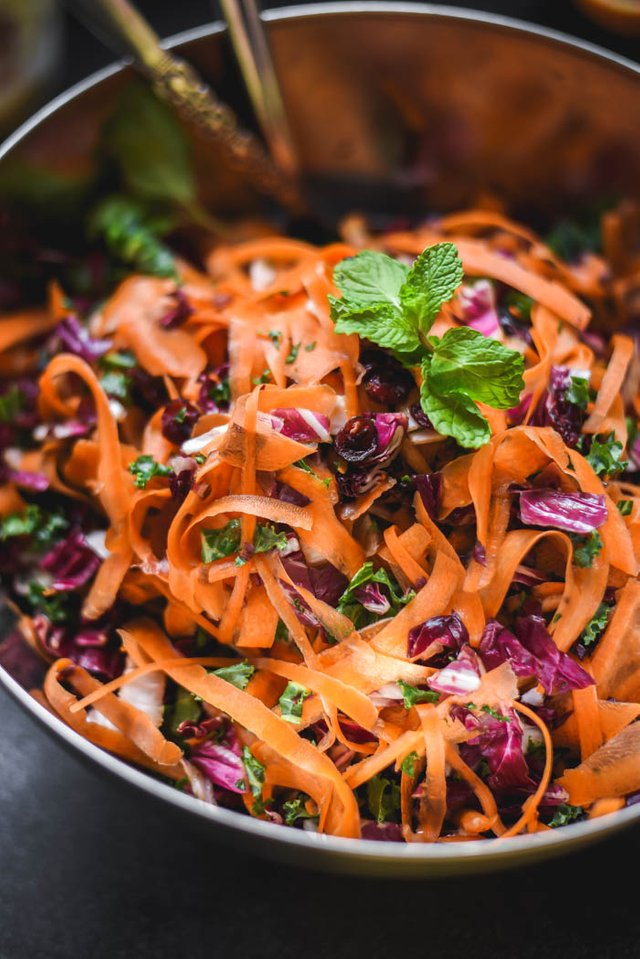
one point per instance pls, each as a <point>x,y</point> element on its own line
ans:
<point>238,675</point>
<point>383,798</point>
<point>596,625</point>
<point>310,347</point>
<point>585,548</point>
<point>371,279</point>
<point>408,765</point>
<point>432,280</point>
<point>570,238</point>
<point>131,237</point>
<point>145,468</point>
<point>465,361</point>
<point>292,701</point>
<point>565,814</point>
<point>625,506</point>
<point>11,403</point>
<point>381,323</point>
<point>218,543</point>
<point>454,415</point>
<point>148,145</point>
<point>411,695</point>
<point>605,456</point>
<point>276,337</point>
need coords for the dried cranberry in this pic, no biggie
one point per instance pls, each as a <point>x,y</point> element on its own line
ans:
<point>386,381</point>
<point>182,478</point>
<point>178,419</point>
<point>420,417</point>
<point>179,312</point>
<point>357,440</point>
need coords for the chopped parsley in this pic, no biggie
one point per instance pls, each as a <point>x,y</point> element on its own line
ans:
<point>411,695</point>
<point>145,468</point>
<point>292,701</point>
<point>586,548</point>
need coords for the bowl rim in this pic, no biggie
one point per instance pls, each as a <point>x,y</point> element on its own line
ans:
<point>479,852</point>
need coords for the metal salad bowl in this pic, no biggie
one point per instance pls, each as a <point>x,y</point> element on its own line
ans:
<point>397,109</point>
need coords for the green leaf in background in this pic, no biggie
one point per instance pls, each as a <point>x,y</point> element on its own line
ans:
<point>148,145</point>
<point>132,237</point>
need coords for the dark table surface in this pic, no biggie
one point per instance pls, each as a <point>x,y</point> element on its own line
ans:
<point>86,873</point>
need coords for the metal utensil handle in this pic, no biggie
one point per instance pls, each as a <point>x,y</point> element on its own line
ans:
<point>251,47</point>
<point>177,83</point>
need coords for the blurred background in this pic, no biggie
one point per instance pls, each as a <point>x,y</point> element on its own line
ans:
<point>43,48</point>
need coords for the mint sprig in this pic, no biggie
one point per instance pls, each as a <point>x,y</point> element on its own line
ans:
<point>395,306</point>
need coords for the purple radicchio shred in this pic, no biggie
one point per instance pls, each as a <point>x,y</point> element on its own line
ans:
<point>555,410</point>
<point>500,743</point>
<point>373,598</point>
<point>222,764</point>
<point>209,383</point>
<point>382,831</point>
<point>89,646</point>
<point>435,634</point>
<point>182,477</point>
<point>579,513</point>
<point>429,485</point>
<point>71,562</point>
<point>201,730</point>
<point>460,677</point>
<point>479,554</point>
<point>307,427</point>
<point>36,482</point>
<point>287,494</point>
<point>75,338</point>
<point>178,419</point>
<point>558,672</point>
<point>532,653</point>
<point>178,313</point>
<point>386,381</point>
<point>477,303</point>
<point>325,581</point>
<point>517,414</point>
